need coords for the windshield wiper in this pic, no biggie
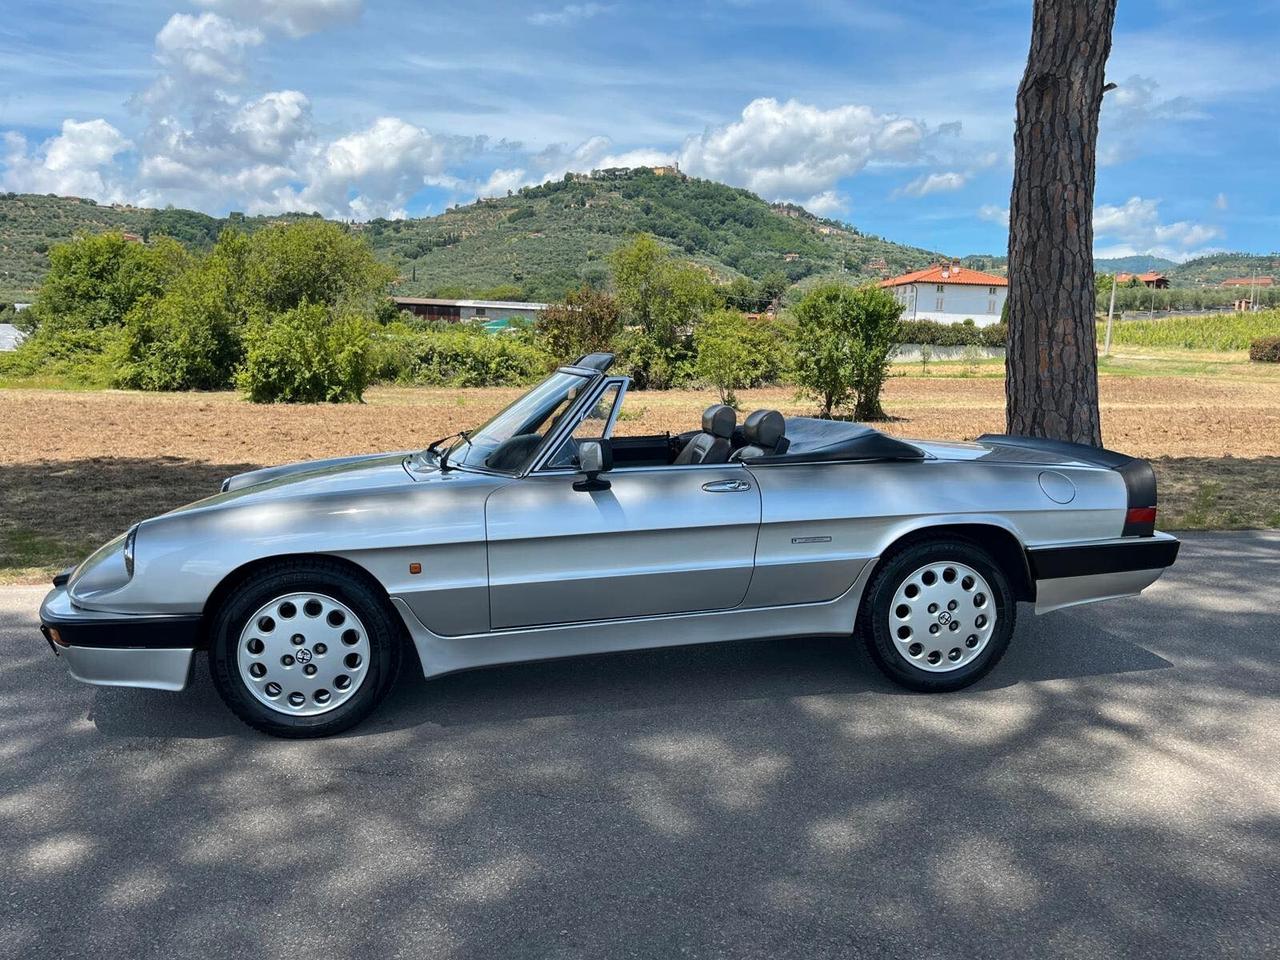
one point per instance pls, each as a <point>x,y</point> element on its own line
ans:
<point>464,435</point>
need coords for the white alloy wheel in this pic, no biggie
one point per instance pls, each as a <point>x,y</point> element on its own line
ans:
<point>303,654</point>
<point>942,616</point>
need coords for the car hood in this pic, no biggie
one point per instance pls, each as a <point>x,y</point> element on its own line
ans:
<point>316,478</point>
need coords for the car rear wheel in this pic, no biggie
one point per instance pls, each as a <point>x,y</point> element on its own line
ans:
<point>937,615</point>
<point>305,649</point>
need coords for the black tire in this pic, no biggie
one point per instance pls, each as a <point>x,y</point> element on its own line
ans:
<point>321,576</point>
<point>894,570</point>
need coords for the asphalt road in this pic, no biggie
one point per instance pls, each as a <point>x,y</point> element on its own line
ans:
<point>1112,789</point>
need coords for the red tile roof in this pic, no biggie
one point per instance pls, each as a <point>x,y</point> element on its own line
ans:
<point>1149,277</point>
<point>1248,281</point>
<point>947,273</point>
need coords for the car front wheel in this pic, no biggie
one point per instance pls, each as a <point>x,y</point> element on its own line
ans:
<point>937,615</point>
<point>306,649</point>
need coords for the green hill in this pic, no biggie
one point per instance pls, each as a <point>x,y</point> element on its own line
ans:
<point>1213,269</point>
<point>1140,263</point>
<point>31,223</point>
<point>534,244</point>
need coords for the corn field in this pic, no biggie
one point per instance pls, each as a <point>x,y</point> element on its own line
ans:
<point>1222,331</point>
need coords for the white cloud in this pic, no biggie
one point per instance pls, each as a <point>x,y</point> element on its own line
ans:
<point>297,18</point>
<point>502,180</point>
<point>1134,227</point>
<point>826,203</point>
<point>994,214</point>
<point>272,125</point>
<point>1134,117</point>
<point>792,148</point>
<point>924,185</point>
<point>71,163</point>
<point>1220,202</point>
<point>568,14</point>
<point>371,173</point>
<point>204,48</point>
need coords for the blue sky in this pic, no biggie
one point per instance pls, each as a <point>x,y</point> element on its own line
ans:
<point>894,116</point>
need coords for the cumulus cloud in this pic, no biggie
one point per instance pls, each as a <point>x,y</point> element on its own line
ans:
<point>1132,115</point>
<point>827,203</point>
<point>297,18</point>
<point>204,48</point>
<point>797,149</point>
<point>922,186</point>
<point>1134,227</point>
<point>273,124</point>
<point>371,173</point>
<point>568,14</point>
<point>72,163</point>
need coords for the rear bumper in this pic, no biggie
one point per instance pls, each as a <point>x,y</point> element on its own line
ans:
<point>120,650</point>
<point>1086,573</point>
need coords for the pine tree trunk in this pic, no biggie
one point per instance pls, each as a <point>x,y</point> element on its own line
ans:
<point>1052,363</point>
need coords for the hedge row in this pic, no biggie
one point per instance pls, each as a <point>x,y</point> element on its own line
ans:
<point>965,334</point>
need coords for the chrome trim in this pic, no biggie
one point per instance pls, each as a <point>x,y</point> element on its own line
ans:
<point>552,442</point>
<point>155,669</point>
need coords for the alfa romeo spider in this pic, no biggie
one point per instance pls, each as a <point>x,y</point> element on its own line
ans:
<point>543,534</point>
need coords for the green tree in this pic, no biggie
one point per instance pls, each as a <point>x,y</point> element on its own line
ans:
<point>588,321</point>
<point>733,352</point>
<point>307,355</point>
<point>663,299</point>
<point>94,281</point>
<point>312,261</point>
<point>844,337</point>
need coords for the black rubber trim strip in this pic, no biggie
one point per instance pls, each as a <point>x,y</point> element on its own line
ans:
<point>1053,563</point>
<point>147,633</point>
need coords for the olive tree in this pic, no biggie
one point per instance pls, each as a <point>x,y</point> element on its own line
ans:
<point>843,341</point>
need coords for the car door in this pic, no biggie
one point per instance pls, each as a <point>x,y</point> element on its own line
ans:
<point>661,540</point>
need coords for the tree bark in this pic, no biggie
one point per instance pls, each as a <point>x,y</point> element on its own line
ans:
<point>1051,365</point>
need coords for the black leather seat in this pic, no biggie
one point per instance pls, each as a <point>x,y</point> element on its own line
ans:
<point>712,444</point>
<point>765,433</point>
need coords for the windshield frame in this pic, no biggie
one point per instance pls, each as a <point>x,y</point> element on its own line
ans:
<point>569,421</point>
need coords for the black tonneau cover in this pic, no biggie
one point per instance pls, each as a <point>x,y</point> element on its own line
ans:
<point>824,441</point>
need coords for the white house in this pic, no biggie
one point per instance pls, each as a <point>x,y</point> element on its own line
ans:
<point>950,293</point>
<point>10,336</point>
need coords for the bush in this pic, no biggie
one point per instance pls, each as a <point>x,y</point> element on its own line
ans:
<point>937,334</point>
<point>843,340</point>
<point>588,321</point>
<point>306,355</point>
<point>189,339</point>
<point>733,352</point>
<point>457,357</point>
<point>1265,350</point>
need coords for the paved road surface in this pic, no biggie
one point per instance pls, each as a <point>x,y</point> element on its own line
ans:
<point>1112,789</point>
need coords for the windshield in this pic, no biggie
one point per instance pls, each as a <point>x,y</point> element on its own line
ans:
<point>508,441</point>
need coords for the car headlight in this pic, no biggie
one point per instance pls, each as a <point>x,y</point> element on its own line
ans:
<point>130,539</point>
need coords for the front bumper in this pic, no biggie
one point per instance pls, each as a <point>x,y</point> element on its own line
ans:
<point>120,650</point>
<point>1069,575</point>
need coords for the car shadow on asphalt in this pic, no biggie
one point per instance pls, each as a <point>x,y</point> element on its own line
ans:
<point>677,680</point>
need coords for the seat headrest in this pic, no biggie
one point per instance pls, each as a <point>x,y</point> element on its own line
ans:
<point>764,428</point>
<point>719,420</point>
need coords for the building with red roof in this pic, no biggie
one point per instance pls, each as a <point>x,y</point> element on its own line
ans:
<point>950,293</point>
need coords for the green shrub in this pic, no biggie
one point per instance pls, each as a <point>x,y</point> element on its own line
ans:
<point>952,334</point>
<point>458,357</point>
<point>844,336</point>
<point>306,355</point>
<point>77,356</point>
<point>733,352</point>
<point>1265,350</point>
<point>588,321</point>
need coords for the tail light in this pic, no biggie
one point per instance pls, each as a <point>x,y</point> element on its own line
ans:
<point>1140,522</point>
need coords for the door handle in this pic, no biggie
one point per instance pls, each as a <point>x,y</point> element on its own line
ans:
<point>726,486</point>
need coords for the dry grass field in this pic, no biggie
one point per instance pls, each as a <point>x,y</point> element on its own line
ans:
<point>79,467</point>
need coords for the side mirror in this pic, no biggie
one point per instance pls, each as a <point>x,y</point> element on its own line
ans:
<point>594,458</point>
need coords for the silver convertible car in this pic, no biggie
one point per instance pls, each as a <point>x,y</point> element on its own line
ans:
<point>541,534</point>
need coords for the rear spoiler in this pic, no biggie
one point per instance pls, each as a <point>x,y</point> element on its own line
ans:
<point>1138,475</point>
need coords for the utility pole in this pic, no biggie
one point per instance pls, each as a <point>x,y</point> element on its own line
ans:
<point>1111,312</point>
